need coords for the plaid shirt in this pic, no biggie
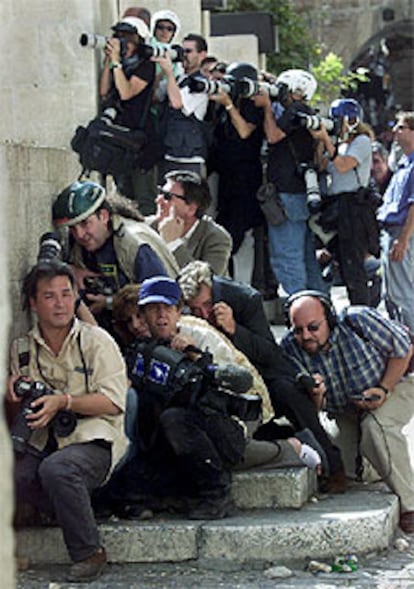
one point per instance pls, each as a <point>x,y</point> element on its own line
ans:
<point>360,346</point>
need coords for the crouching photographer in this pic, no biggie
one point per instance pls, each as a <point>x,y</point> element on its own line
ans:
<point>190,427</point>
<point>65,400</point>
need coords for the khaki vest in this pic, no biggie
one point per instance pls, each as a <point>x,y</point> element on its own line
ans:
<point>128,236</point>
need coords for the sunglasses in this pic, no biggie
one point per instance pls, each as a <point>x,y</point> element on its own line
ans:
<point>168,195</point>
<point>169,28</point>
<point>311,327</point>
<point>400,127</point>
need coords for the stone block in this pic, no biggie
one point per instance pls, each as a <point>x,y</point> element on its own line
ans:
<point>264,489</point>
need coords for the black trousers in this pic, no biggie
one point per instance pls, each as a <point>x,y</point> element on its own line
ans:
<point>289,400</point>
<point>61,485</point>
<point>191,455</point>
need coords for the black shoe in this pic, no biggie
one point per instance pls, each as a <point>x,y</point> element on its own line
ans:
<point>210,508</point>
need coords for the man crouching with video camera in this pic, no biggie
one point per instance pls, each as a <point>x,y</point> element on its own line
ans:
<point>188,435</point>
<point>65,399</point>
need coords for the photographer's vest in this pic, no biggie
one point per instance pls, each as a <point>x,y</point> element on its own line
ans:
<point>128,236</point>
<point>184,137</point>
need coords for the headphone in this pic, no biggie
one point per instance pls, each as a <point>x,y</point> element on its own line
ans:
<point>324,299</point>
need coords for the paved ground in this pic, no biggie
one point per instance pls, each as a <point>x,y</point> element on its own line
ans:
<point>391,570</point>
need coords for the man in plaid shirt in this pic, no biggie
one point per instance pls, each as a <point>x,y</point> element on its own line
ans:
<point>361,354</point>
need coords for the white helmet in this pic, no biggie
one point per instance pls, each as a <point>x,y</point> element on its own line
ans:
<point>165,15</point>
<point>299,82</point>
<point>130,24</point>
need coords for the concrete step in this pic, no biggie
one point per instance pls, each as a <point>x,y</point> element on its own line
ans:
<point>362,520</point>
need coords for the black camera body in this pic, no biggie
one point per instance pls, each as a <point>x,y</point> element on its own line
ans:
<point>97,286</point>
<point>63,423</point>
<point>173,379</point>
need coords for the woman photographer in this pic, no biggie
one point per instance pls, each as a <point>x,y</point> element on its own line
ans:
<point>349,165</point>
<point>126,84</point>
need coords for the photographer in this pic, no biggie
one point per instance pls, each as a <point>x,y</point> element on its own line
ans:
<point>349,165</point>
<point>187,448</point>
<point>181,123</point>
<point>291,243</point>
<point>80,369</point>
<point>235,156</point>
<point>109,239</point>
<point>126,84</point>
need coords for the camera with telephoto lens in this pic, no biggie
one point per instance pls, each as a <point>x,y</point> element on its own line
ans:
<point>314,122</point>
<point>62,424</point>
<point>93,41</point>
<point>313,194</point>
<point>176,52</point>
<point>49,248</point>
<point>236,88</point>
<point>171,379</point>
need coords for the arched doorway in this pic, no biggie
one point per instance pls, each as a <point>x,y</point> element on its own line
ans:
<point>389,56</point>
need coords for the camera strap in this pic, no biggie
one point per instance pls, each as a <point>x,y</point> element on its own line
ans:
<point>23,353</point>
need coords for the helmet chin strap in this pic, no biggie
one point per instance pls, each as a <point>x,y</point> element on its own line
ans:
<point>350,127</point>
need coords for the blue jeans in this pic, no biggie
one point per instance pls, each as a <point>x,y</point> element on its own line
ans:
<point>130,425</point>
<point>398,279</point>
<point>292,248</point>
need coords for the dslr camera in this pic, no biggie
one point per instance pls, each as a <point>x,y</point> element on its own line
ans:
<point>97,286</point>
<point>313,194</point>
<point>63,423</point>
<point>176,52</point>
<point>243,88</point>
<point>49,248</point>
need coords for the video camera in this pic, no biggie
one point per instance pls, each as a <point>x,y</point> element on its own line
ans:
<point>63,423</point>
<point>176,52</point>
<point>171,378</point>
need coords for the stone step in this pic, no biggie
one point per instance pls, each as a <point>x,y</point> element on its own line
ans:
<point>362,520</point>
<point>273,488</point>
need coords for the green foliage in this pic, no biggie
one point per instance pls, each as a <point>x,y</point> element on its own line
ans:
<point>297,49</point>
<point>332,80</point>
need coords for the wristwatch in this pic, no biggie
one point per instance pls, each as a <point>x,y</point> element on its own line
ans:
<point>386,391</point>
<point>116,65</point>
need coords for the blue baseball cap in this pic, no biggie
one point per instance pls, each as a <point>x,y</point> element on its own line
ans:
<point>159,289</point>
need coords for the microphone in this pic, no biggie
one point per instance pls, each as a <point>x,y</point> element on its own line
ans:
<point>232,377</point>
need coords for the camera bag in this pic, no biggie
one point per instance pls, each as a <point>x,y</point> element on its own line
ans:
<point>108,148</point>
<point>271,204</point>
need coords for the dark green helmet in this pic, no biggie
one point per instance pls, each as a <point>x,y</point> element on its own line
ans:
<point>77,202</point>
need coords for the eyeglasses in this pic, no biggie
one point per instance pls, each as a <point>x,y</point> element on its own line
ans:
<point>168,195</point>
<point>169,28</point>
<point>311,327</point>
<point>400,127</point>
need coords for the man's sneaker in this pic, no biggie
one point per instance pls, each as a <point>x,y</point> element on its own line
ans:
<point>213,508</point>
<point>89,569</point>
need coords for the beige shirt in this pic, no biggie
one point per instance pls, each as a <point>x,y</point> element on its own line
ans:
<point>89,362</point>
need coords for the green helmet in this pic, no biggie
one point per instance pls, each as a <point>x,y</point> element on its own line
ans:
<point>77,202</point>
